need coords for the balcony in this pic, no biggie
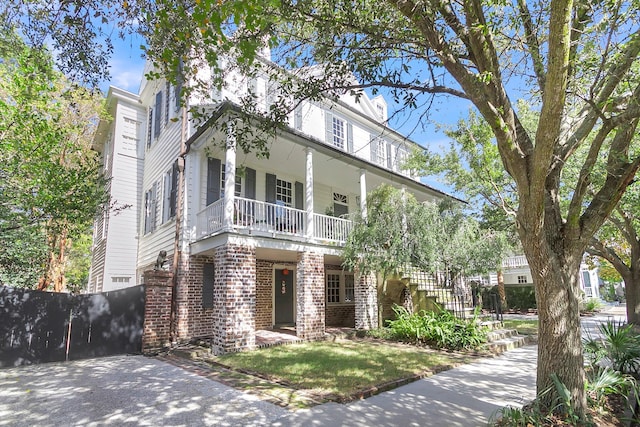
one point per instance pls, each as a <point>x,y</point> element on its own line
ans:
<point>272,219</point>
<point>519,261</point>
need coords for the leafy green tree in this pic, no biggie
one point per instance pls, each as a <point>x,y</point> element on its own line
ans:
<point>398,233</point>
<point>576,63</point>
<point>618,242</point>
<point>52,184</point>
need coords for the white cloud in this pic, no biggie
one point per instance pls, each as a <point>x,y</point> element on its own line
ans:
<point>126,71</point>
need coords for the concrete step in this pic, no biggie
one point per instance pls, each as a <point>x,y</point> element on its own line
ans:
<point>500,334</point>
<point>508,343</point>
<point>491,324</point>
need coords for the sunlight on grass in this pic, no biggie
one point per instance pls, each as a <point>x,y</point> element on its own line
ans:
<point>524,327</point>
<point>342,367</point>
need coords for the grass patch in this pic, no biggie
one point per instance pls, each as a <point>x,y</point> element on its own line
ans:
<point>342,368</point>
<point>524,327</point>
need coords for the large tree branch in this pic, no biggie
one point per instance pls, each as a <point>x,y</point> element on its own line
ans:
<point>598,248</point>
<point>553,101</point>
<point>533,45</point>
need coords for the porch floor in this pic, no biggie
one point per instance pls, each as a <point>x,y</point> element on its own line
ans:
<point>287,335</point>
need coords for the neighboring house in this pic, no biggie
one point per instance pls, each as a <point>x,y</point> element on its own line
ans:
<point>516,272</point>
<point>115,244</point>
<point>256,249</point>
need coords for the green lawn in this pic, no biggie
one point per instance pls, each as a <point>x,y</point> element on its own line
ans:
<point>341,368</point>
<point>524,327</point>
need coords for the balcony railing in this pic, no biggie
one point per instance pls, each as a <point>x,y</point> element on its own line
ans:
<point>271,218</point>
<point>515,262</point>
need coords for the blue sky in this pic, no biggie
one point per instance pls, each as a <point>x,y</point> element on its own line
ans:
<point>127,66</point>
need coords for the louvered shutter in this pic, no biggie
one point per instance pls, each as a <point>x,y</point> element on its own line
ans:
<point>213,180</point>
<point>328,127</point>
<point>299,194</point>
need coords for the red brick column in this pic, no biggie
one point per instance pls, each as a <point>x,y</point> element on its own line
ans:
<point>310,298</point>
<point>157,310</point>
<point>234,298</point>
<point>366,296</point>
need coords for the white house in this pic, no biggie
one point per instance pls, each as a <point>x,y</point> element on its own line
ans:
<point>255,247</point>
<point>115,243</point>
<point>516,272</point>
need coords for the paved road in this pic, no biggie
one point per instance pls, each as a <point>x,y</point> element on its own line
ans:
<point>123,390</point>
<point>135,390</point>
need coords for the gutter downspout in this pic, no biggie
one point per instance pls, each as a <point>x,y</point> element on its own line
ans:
<point>177,254</point>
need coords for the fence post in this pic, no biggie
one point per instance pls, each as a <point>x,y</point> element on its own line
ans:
<point>157,310</point>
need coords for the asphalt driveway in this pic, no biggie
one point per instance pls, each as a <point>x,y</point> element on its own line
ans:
<point>124,390</point>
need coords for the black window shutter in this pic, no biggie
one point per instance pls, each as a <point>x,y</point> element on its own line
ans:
<point>299,189</point>
<point>250,184</point>
<point>208,278</point>
<point>174,190</point>
<point>270,193</point>
<point>213,180</point>
<point>166,103</point>
<point>149,127</point>
<point>158,115</point>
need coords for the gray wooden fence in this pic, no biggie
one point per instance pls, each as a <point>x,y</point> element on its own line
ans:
<point>37,327</point>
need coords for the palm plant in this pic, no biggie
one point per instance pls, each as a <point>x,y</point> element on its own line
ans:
<point>618,345</point>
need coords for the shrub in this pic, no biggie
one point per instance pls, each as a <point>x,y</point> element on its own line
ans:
<point>440,330</point>
<point>591,305</point>
<point>619,344</point>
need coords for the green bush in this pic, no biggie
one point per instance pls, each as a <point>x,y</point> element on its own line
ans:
<point>592,304</point>
<point>619,344</point>
<point>440,330</point>
<point>520,298</point>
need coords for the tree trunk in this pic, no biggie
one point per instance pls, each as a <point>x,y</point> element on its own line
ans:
<point>632,293</point>
<point>559,340</point>
<point>502,294</point>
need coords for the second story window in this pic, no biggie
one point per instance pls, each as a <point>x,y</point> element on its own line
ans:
<point>150,209</point>
<point>283,192</point>
<point>338,133</point>
<point>238,187</point>
<point>378,151</point>
<point>522,279</point>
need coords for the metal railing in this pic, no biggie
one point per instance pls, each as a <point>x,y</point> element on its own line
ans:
<point>271,218</point>
<point>209,220</point>
<point>445,294</point>
<point>515,262</point>
<point>331,228</point>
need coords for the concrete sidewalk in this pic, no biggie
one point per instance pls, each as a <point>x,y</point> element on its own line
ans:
<point>465,396</point>
<point>135,390</point>
<point>124,390</point>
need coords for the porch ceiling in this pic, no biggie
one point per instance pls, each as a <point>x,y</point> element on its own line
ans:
<point>331,166</point>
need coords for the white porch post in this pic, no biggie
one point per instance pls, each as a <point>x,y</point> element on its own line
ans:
<point>229,177</point>
<point>309,193</point>
<point>363,192</point>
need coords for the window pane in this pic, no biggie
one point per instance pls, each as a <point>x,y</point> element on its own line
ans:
<point>338,132</point>
<point>349,294</point>
<point>333,288</point>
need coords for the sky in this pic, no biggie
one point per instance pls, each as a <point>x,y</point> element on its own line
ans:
<point>127,64</point>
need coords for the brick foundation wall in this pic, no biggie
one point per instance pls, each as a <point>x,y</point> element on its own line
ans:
<point>157,310</point>
<point>234,298</point>
<point>340,315</point>
<point>310,298</point>
<point>193,320</point>
<point>366,307</point>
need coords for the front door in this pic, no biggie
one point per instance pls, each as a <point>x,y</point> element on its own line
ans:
<point>283,301</point>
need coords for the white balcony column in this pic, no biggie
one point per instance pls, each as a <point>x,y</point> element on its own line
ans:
<point>363,192</point>
<point>229,177</point>
<point>309,228</point>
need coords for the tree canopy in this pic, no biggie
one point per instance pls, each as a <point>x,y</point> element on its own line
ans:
<point>52,184</point>
<point>575,62</point>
